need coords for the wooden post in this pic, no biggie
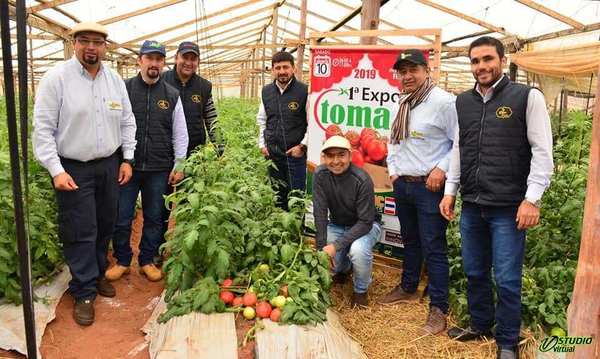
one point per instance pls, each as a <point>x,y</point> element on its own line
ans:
<point>242,83</point>
<point>264,54</point>
<point>512,71</point>
<point>369,19</point>
<point>31,65</point>
<point>275,27</point>
<point>300,57</point>
<point>584,310</point>
<point>67,49</point>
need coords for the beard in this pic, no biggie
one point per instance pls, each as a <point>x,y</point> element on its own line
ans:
<point>153,72</point>
<point>90,59</point>
<point>284,79</point>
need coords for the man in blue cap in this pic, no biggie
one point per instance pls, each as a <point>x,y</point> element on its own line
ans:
<point>162,139</point>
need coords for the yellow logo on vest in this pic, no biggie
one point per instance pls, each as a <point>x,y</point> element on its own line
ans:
<point>163,104</point>
<point>196,98</point>
<point>293,105</point>
<point>504,112</point>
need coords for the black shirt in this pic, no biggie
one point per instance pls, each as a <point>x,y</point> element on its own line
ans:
<point>350,199</point>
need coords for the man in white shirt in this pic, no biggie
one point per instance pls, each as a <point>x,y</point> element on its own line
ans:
<point>81,117</point>
<point>282,122</point>
<point>502,160</point>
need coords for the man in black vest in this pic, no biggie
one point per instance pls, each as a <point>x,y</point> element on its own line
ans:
<point>282,122</point>
<point>502,160</point>
<point>162,139</point>
<point>196,96</point>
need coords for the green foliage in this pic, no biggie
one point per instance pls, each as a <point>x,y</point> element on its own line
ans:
<point>552,248</point>
<point>227,224</point>
<point>45,250</point>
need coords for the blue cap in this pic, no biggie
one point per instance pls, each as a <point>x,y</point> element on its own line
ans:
<point>152,46</point>
<point>188,46</point>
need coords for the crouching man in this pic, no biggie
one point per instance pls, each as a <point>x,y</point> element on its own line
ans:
<point>353,228</point>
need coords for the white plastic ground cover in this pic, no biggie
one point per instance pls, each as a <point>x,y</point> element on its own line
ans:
<point>12,327</point>
<point>191,336</point>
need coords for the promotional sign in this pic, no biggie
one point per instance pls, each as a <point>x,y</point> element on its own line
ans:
<point>355,92</point>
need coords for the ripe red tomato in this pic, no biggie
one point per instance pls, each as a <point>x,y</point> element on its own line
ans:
<point>367,132</point>
<point>333,130</point>
<point>263,309</point>
<point>226,296</point>
<point>237,302</point>
<point>377,150</point>
<point>249,299</point>
<point>357,158</point>
<point>353,137</point>
<point>227,283</point>
<point>275,314</point>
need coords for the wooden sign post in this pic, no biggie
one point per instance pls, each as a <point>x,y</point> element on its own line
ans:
<point>584,310</point>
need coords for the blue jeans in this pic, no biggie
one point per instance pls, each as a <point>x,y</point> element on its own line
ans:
<point>290,173</point>
<point>358,255</point>
<point>153,186</point>
<point>423,230</point>
<point>490,238</point>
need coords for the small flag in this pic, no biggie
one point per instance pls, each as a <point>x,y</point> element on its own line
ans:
<point>390,206</point>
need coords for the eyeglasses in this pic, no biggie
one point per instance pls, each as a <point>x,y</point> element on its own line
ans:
<point>87,42</point>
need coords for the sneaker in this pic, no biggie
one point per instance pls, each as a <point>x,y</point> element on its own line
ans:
<point>151,272</point>
<point>359,300</point>
<point>116,272</point>
<point>398,295</point>
<point>463,335</point>
<point>83,312</point>
<point>436,321</point>
<point>105,289</point>
<point>507,353</point>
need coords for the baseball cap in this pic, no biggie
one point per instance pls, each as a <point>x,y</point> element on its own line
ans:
<point>188,46</point>
<point>336,142</point>
<point>411,55</point>
<point>89,27</point>
<point>152,46</point>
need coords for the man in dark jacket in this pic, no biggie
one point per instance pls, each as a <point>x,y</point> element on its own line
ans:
<point>346,192</point>
<point>196,96</point>
<point>162,144</point>
<point>502,160</point>
<point>282,122</point>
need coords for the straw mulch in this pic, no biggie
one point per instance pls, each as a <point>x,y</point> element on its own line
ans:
<point>392,332</point>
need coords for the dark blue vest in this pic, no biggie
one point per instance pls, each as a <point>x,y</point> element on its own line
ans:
<point>286,116</point>
<point>495,155</point>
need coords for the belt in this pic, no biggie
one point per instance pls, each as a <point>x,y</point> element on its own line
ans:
<point>414,178</point>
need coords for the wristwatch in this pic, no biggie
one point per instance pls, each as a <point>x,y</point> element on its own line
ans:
<point>129,161</point>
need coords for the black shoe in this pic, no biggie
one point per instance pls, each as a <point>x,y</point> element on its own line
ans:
<point>105,289</point>
<point>340,278</point>
<point>359,300</point>
<point>507,353</point>
<point>463,335</point>
<point>83,311</point>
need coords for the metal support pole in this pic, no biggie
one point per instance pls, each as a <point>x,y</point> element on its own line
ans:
<point>11,119</point>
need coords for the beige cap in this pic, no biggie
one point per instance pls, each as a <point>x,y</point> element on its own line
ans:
<point>336,142</point>
<point>89,26</point>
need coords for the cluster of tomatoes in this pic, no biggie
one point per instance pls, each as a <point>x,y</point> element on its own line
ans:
<point>367,147</point>
<point>253,308</point>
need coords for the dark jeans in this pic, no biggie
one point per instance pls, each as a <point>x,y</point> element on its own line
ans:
<point>153,186</point>
<point>490,238</point>
<point>423,230</point>
<point>86,218</point>
<point>290,174</point>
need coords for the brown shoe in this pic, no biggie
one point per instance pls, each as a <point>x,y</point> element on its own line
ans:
<point>398,295</point>
<point>151,272</point>
<point>116,272</point>
<point>83,312</point>
<point>436,322</point>
<point>340,278</point>
<point>105,289</point>
<point>359,300</point>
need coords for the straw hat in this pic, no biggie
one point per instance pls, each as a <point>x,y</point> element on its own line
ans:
<point>90,27</point>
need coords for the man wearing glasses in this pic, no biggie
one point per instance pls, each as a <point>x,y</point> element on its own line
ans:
<point>84,135</point>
